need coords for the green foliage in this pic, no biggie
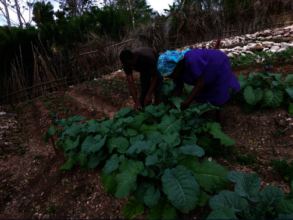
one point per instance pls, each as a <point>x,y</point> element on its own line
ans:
<point>152,155</point>
<point>284,168</point>
<point>248,202</point>
<point>265,90</point>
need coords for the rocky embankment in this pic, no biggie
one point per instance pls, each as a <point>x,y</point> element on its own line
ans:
<point>276,40</point>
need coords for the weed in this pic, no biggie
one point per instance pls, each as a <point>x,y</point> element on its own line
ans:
<point>284,168</point>
<point>248,159</point>
<point>278,132</point>
<point>22,152</point>
<point>51,209</point>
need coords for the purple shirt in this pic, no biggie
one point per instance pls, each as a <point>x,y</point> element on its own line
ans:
<point>218,76</point>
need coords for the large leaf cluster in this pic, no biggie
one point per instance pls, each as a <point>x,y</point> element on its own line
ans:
<point>248,202</point>
<point>265,90</point>
<point>152,155</point>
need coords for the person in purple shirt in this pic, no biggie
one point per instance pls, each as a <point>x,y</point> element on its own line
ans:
<point>208,70</point>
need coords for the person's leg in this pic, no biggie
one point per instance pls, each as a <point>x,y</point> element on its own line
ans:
<point>221,116</point>
<point>145,83</point>
<point>158,90</point>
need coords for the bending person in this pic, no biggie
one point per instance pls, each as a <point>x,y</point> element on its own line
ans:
<point>208,70</point>
<point>143,60</point>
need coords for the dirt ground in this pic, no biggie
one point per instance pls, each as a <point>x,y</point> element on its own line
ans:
<point>32,186</point>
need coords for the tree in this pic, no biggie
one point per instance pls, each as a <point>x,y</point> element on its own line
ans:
<point>74,8</point>
<point>43,13</point>
<point>6,13</point>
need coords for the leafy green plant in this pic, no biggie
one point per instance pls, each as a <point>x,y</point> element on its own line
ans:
<point>248,202</point>
<point>152,155</point>
<point>248,159</point>
<point>265,90</point>
<point>284,168</point>
<point>51,209</point>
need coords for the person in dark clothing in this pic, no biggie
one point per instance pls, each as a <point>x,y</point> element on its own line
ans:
<point>143,60</point>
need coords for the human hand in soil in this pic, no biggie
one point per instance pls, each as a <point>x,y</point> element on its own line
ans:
<point>147,100</point>
<point>184,105</point>
<point>137,105</point>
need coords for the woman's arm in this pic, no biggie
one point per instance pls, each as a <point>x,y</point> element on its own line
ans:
<point>198,87</point>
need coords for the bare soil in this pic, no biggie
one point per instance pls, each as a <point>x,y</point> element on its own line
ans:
<point>32,186</point>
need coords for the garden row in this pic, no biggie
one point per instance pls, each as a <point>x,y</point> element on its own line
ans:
<point>156,157</point>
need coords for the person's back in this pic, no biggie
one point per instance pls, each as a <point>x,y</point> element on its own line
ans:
<point>143,60</point>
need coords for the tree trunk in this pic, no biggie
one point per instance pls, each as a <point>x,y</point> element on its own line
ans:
<point>131,13</point>
<point>7,13</point>
<point>18,13</point>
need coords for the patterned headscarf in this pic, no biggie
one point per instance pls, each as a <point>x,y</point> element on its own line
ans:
<point>168,61</point>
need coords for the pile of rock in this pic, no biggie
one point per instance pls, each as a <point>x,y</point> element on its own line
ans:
<point>269,40</point>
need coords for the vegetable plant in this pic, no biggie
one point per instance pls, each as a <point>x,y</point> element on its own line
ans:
<point>153,156</point>
<point>265,90</point>
<point>248,202</point>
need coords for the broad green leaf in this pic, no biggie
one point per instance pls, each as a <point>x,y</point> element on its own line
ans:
<point>151,197</point>
<point>209,175</point>
<point>113,163</point>
<point>177,102</point>
<point>68,164</point>
<point>97,128</point>
<point>252,76</point>
<point>285,207</point>
<point>80,159</point>
<point>272,99</point>
<point>144,129</point>
<point>203,198</point>
<point>249,109</point>
<point>152,159</point>
<point>132,208</point>
<point>120,144</point>
<point>277,76</point>
<point>224,212</point>
<point>248,185</point>
<point>169,124</point>
<point>122,122</point>
<point>139,147</point>
<point>93,144</point>
<point>290,109</point>
<point>271,195</point>
<point>285,216</point>
<point>69,144</point>
<point>252,96</point>
<point>95,159</point>
<point>242,81</point>
<point>163,210</point>
<point>190,140</point>
<point>138,119</point>
<point>155,110</point>
<point>215,129</point>
<point>76,118</point>
<point>289,90</point>
<point>193,150</point>
<point>73,130</point>
<point>156,137</point>
<point>127,179</point>
<point>181,188</point>
<point>289,79</point>
<point>140,192</point>
<point>122,112</point>
<point>172,139</point>
<point>201,108</point>
<point>130,132</point>
<point>109,182</point>
<point>188,89</point>
<point>228,198</point>
<point>52,130</point>
<point>133,140</point>
<point>151,173</point>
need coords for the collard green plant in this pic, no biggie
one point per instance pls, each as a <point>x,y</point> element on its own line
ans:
<point>152,155</point>
<point>265,90</point>
<point>248,202</point>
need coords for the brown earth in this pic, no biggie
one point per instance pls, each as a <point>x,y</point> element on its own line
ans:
<point>32,186</point>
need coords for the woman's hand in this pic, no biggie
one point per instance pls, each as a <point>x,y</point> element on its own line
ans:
<point>137,105</point>
<point>147,100</point>
<point>184,105</point>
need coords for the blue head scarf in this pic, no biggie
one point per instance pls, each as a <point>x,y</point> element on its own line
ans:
<point>168,61</point>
